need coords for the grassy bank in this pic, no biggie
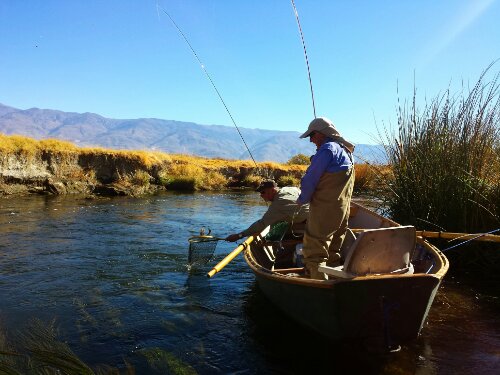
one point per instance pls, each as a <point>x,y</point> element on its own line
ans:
<point>136,172</point>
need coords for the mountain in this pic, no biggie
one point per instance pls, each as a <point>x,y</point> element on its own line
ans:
<point>90,129</point>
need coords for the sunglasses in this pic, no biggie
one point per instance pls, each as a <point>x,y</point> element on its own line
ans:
<point>312,134</point>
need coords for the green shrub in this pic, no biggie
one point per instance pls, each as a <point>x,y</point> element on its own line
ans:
<point>181,183</point>
<point>299,159</point>
<point>140,178</point>
<point>252,181</point>
<point>288,180</point>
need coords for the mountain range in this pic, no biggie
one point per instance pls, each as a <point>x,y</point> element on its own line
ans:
<point>170,136</point>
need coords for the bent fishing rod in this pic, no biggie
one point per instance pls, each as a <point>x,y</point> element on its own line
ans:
<point>158,6</point>
<point>305,55</point>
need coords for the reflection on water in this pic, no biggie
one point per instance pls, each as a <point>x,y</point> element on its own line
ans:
<point>113,274</point>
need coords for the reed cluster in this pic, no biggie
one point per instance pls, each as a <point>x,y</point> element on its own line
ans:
<point>445,162</point>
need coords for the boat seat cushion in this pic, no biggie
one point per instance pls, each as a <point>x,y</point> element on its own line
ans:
<point>378,251</point>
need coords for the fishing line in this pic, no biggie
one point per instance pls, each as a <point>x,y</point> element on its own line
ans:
<point>305,54</point>
<point>471,239</point>
<point>158,6</point>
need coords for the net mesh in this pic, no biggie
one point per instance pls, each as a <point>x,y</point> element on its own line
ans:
<point>201,249</point>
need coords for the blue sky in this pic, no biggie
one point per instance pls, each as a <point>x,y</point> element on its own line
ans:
<point>123,59</point>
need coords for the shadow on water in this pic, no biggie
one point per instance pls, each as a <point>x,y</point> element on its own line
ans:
<point>289,348</point>
<point>461,335</point>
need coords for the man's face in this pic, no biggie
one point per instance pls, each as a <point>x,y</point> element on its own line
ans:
<point>317,138</point>
<point>267,194</point>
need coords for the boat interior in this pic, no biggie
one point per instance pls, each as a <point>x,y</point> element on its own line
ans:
<point>373,245</point>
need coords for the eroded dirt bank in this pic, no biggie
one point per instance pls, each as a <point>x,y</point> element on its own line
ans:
<point>126,173</point>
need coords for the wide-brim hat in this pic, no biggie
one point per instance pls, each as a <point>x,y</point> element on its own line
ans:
<point>325,126</point>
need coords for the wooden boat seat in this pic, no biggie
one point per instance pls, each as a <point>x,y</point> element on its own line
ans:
<point>378,251</point>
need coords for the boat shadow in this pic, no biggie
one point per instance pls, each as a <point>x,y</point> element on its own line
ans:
<point>290,348</point>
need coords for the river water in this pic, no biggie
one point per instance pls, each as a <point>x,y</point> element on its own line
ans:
<point>112,276</point>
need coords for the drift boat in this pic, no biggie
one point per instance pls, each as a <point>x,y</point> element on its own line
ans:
<point>381,294</point>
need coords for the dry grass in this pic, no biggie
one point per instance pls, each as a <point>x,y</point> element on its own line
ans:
<point>16,144</point>
<point>173,171</point>
<point>28,146</point>
<point>186,176</point>
<point>364,177</point>
<point>289,180</point>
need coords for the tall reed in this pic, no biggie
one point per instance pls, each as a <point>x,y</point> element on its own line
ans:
<point>445,161</point>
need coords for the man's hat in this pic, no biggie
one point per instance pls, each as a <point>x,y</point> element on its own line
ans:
<point>266,184</point>
<point>325,126</point>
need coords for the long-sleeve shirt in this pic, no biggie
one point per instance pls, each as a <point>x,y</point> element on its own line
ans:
<point>330,157</point>
<point>284,207</point>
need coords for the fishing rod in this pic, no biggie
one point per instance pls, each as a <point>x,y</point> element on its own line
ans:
<point>305,54</point>
<point>158,6</point>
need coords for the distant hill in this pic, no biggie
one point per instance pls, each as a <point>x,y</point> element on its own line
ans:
<point>90,129</point>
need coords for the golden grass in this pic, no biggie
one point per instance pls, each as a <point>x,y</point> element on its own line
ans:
<point>173,171</point>
<point>186,176</point>
<point>369,177</point>
<point>17,144</point>
<point>288,180</point>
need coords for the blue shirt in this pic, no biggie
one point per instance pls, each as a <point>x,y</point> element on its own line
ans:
<point>330,157</point>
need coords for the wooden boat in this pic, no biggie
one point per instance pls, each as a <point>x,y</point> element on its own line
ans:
<point>386,308</point>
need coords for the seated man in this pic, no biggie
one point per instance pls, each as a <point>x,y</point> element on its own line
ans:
<point>283,207</point>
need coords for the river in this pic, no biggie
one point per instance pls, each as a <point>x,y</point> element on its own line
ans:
<point>111,275</point>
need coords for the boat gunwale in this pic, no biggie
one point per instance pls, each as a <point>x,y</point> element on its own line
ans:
<point>279,277</point>
<point>258,269</point>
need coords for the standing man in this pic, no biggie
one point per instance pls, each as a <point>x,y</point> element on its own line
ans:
<point>283,207</point>
<point>327,186</point>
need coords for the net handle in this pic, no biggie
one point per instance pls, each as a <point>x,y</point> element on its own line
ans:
<point>223,263</point>
<point>206,238</point>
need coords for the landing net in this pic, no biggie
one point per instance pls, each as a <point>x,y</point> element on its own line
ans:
<point>201,249</point>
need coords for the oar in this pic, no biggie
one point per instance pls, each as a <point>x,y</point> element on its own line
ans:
<point>450,235</point>
<point>223,263</point>
<point>463,236</point>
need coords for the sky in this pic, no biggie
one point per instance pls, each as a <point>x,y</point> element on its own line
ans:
<point>125,59</point>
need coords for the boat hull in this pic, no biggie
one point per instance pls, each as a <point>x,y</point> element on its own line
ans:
<point>388,309</point>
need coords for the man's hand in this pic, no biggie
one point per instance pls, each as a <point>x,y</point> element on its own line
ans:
<point>233,237</point>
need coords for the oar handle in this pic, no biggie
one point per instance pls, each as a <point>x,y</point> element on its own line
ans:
<point>223,263</point>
